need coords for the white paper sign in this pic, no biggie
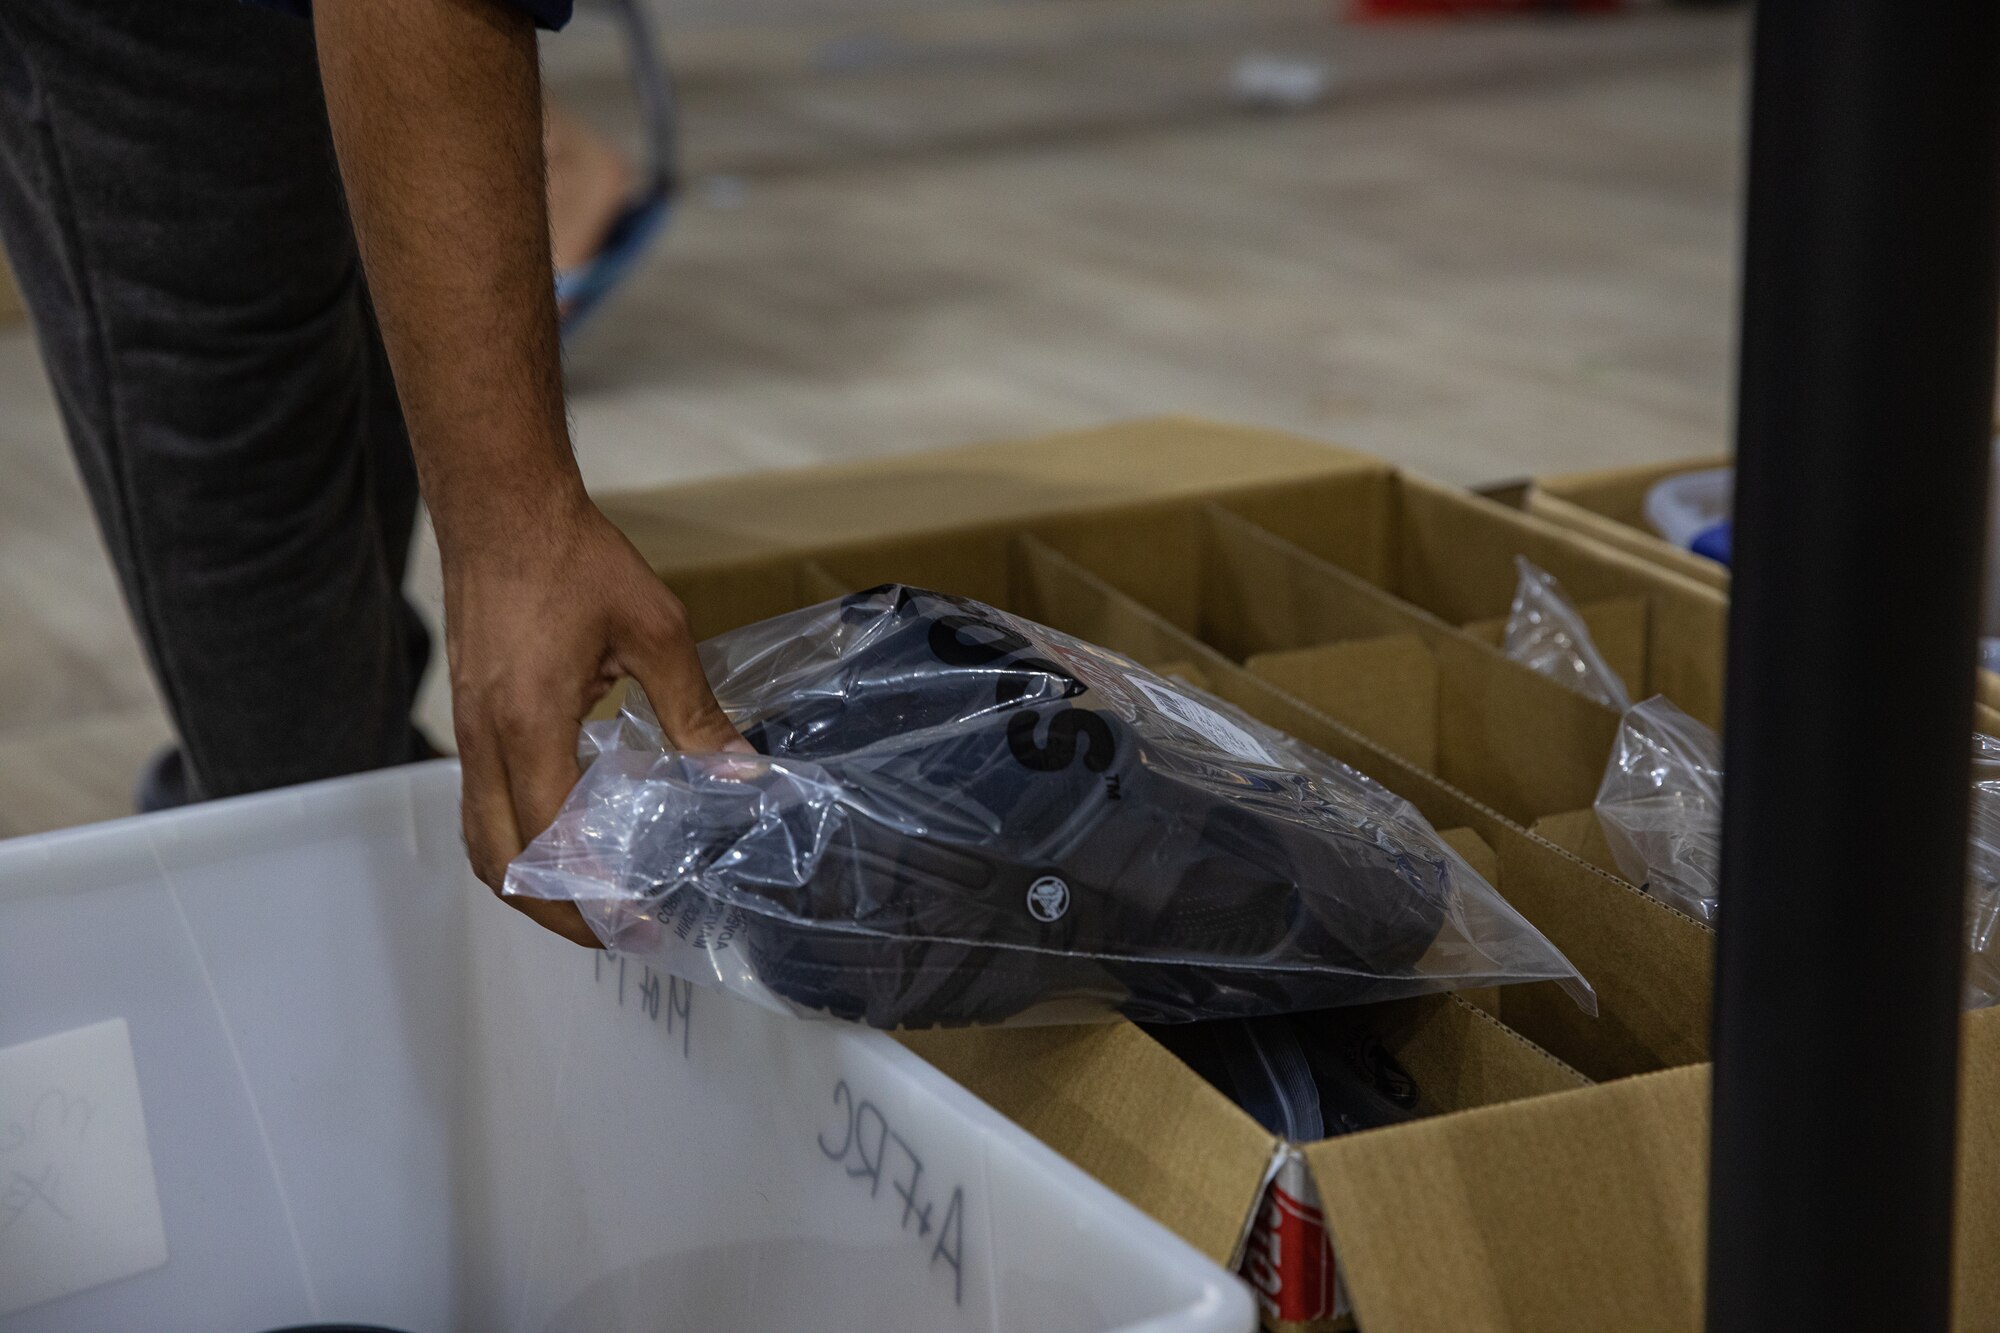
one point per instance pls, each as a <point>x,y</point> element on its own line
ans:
<point>79,1205</point>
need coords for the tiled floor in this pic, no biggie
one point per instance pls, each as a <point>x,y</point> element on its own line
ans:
<point>1492,250</point>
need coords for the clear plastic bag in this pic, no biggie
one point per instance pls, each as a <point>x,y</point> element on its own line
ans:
<point>1661,805</point>
<point>1982,873</point>
<point>1661,809</point>
<point>1546,634</point>
<point>957,816</point>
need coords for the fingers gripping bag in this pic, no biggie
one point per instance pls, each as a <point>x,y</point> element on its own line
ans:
<point>955,816</point>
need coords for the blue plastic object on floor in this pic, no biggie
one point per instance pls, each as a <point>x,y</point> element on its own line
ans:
<point>1713,542</point>
<point>580,290</point>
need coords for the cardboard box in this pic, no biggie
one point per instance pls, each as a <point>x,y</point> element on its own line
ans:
<point>1267,567</point>
<point>1649,964</point>
<point>1441,696</point>
<point>1154,491</point>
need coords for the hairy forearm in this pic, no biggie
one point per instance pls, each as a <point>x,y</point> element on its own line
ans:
<point>437,122</point>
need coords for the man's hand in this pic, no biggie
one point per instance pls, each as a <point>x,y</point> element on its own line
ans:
<point>538,626</point>
<point>436,111</point>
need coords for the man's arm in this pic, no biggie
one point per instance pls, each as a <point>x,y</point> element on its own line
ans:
<point>437,121</point>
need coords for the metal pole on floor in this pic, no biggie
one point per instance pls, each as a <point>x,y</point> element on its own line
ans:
<point>1865,410</point>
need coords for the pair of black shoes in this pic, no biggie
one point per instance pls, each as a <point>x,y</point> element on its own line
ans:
<point>1005,823</point>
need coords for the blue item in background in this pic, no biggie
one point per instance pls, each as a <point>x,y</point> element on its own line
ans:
<point>1692,510</point>
<point>1713,542</point>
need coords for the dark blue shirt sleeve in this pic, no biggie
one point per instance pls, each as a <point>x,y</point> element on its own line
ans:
<point>549,14</point>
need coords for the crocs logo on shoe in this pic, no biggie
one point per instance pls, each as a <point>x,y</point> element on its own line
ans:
<point>1048,898</point>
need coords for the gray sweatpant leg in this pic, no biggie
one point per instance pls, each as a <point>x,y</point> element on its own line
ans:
<point>169,199</point>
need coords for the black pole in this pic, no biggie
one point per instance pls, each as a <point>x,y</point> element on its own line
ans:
<point>1864,414</point>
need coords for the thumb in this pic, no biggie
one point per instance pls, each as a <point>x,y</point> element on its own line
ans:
<point>669,670</point>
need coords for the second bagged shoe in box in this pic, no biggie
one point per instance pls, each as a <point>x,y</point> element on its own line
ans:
<point>1304,1077</point>
<point>957,816</point>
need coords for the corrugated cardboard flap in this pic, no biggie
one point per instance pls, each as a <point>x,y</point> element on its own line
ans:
<point>1579,1212</point>
<point>1386,688</point>
<point>1582,1212</point>
<point>1581,834</point>
<point>722,522</point>
<point>1120,1106</point>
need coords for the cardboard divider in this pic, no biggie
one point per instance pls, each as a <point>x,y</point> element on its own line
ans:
<point>1452,553</point>
<point>723,599</point>
<point>1649,964</point>
<point>1452,542</point>
<point>1516,740</point>
<point>1186,671</point>
<point>1463,1058</point>
<point>1481,857</point>
<point>727,546</point>
<point>1617,627</point>
<point>1121,1106</point>
<point>1580,833</point>
<point>972,564</point>
<point>1386,689</point>
<point>1048,587</point>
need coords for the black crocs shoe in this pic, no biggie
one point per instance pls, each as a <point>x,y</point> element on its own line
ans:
<point>1025,842</point>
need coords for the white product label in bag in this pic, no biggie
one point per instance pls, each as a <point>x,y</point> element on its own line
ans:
<point>1212,726</point>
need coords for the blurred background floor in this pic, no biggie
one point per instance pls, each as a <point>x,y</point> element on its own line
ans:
<point>1489,249</point>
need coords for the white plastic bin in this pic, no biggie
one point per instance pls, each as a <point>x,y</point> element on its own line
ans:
<point>366,1092</point>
